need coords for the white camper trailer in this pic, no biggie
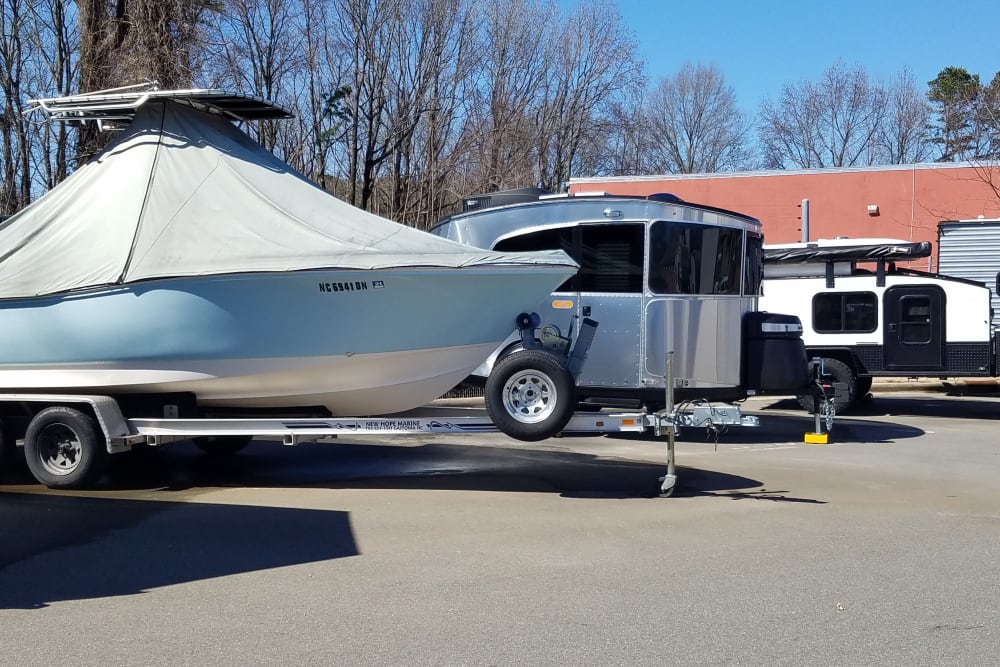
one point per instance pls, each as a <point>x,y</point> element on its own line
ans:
<point>866,317</point>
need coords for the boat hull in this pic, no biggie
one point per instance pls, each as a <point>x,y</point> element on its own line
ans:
<point>355,342</point>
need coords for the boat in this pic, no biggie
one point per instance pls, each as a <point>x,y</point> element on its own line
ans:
<point>185,259</point>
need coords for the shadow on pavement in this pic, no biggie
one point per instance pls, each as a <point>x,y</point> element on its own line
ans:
<point>952,406</point>
<point>72,548</point>
<point>775,429</point>
<point>386,466</point>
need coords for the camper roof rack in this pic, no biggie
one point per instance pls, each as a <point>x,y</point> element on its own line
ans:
<point>112,107</point>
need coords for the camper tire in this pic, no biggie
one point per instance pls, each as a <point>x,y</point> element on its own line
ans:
<point>841,373</point>
<point>64,449</point>
<point>530,395</point>
<point>222,445</point>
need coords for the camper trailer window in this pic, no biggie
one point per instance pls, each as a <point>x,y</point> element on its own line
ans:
<point>915,320</point>
<point>754,267</point>
<point>837,312</point>
<point>610,256</point>
<point>694,259</point>
<point>560,238</point>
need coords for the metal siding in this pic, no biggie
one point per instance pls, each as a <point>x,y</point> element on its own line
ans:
<point>971,250</point>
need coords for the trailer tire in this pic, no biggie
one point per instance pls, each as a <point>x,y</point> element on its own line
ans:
<point>222,445</point>
<point>530,395</point>
<point>64,448</point>
<point>842,373</point>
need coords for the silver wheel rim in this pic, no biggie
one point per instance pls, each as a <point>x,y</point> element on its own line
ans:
<point>59,449</point>
<point>530,396</point>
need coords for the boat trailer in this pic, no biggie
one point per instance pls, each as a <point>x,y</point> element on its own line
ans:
<point>69,435</point>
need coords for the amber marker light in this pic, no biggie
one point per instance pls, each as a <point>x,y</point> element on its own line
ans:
<point>562,305</point>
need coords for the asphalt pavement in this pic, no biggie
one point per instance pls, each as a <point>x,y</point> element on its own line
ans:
<point>877,549</point>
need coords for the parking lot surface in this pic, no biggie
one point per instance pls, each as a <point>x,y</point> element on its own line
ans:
<point>878,549</point>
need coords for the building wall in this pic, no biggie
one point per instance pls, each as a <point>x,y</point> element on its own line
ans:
<point>911,199</point>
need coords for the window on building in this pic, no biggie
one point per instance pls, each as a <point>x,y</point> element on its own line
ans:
<point>841,312</point>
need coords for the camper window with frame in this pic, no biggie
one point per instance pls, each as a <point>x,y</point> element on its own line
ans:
<point>842,312</point>
<point>610,256</point>
<point>687,258</point>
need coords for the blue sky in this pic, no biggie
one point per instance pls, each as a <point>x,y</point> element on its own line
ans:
<point>759,45</point>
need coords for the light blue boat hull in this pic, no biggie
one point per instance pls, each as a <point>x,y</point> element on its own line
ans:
<point>357,342</point>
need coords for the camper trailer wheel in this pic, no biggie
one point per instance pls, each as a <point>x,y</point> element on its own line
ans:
<point>222,445</point>
<point>64,449</point>
<point>530,395</point>
<point>839,372</point>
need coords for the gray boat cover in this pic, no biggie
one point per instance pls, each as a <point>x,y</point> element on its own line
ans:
<point>186,193</point>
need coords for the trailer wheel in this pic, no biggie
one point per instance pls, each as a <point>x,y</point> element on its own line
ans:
<point>222,445</point>
<point>64,449</point>
<point>530,395</point>
<point>842,373</point>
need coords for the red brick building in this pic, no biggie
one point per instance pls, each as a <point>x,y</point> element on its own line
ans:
<point>900,201</point>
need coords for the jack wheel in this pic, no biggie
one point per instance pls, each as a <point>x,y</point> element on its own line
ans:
<point>841,373</point>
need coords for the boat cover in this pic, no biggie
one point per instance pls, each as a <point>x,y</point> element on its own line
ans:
<point>846,252</point>
<point>185,193</point>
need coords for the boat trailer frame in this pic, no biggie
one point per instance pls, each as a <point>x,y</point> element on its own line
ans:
<point>120,433</point>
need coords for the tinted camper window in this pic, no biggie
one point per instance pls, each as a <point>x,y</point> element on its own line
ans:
<point>838,312</point>
<point>695,259</point>
<point>754,268</point>
<point>545,239</point>
<point>610,256</point>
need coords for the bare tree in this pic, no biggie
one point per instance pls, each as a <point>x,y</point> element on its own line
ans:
<point>695,125</point>
<point>833,122</point>
<point>509,83</point>
<point>625,148</point>
<point>123,42</point>
<point>592,63</point>
<point>903,136</point>
<point>988,120</point>
<point>18,72</point>
<point>55,41</point>
<point>257,46</point>
<point>442,52</point>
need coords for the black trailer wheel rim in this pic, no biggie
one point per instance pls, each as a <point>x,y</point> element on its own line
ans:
<point>530,396</point>
<point>59,449</point>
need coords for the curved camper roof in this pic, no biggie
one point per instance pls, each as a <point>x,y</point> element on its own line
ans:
<point>184,192</point>
<point>489,218</point>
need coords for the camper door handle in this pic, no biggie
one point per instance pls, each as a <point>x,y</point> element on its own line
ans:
<point>586,311</point>
<point>892,328</point>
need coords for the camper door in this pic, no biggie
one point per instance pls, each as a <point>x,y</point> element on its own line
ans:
<point>913,332</point>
